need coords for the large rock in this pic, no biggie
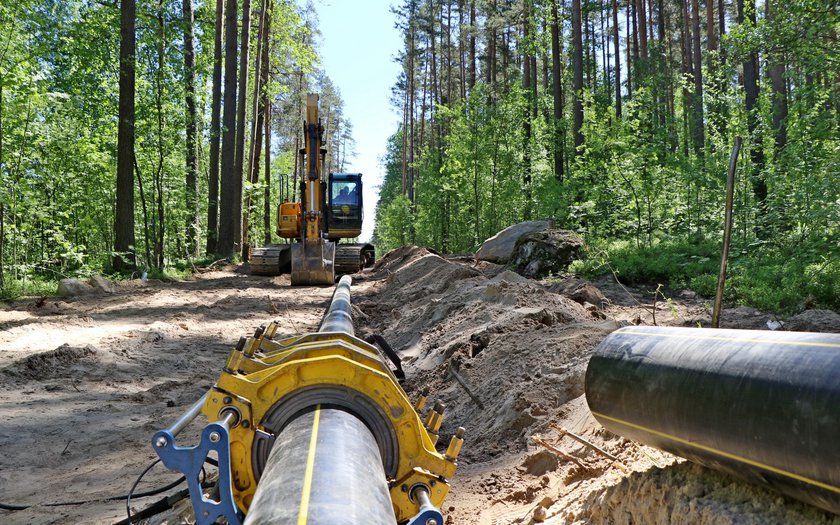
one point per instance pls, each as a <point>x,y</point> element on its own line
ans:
<point>499,248</point>
<point>814,321</point>
<point>101,284</point>
<point>547,252</point>
<point>73,287</point>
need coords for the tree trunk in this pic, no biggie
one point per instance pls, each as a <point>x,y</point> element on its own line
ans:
<point>472,45</point>
<point>577,66</point>
<point>227,192</point>
<point>643,41</point>
<point>462,50</point>
<point>159,175</point>
<point>746,11</point>
<point>215,110</point>
<point>711,35</point>
<point>557,85</point>
<point>192,119</point>
<point>699,131</point>
<point>2,202</point>
<point>617,59</point>
<point>687,69</point>
<point>267,192</point>
<point>628,49</point>
<point>776,71</point>
<point>256,129</point>
<point>526,122</point>
<point>241,118</point>
<point>124,217</point>
<point>411,91</point>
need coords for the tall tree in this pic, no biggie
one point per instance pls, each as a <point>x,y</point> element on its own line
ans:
<point>256,129</point>
<point>698,127</point>
<point>617,59</point>
<point>746,16</point>
<point>527,120</point>
<point>124,217</point>
<point>776,72</point>
<point>642,29</point>
<point>2,201</point>
<point>266,103</point>
<point>191,193</point>
<point>241,107</point>
<point>711,34</point>
<point>472,32</point>
<point>557,91</point>
<point>227,209</point>
<point>577,70</point>
<point>215,135</point>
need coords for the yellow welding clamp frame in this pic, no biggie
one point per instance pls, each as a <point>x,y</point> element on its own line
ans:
<point>262,374</point>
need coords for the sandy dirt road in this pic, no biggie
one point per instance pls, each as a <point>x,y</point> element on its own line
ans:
<point>85,382</point>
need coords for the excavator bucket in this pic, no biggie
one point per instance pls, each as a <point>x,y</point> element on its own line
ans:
<point>313,262</point>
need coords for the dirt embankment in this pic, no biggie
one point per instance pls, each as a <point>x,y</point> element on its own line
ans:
<point>519,349</point>
<point>85,383</point>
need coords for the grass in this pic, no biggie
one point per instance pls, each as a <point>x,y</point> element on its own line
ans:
<point>31,287</point>
<point>41,283</point>
<point>779,279</point>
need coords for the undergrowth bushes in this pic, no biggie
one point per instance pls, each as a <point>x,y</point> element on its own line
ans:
<point>781,279</point>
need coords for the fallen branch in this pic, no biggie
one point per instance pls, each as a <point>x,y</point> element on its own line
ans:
<point>551,448</point>
<point>463,383</point>
<point>582,441</point>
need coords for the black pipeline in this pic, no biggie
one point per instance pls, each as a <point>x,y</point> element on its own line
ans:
<point>763,406</point>
<point>339,316</point>
<point>325,467</point>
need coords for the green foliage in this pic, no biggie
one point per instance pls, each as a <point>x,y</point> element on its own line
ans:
<point>645,185</point>
<point>59,75</point>
<point>772,278</point>
<point>17,288</point>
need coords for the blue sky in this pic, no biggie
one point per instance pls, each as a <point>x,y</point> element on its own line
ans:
<point>358,48</point>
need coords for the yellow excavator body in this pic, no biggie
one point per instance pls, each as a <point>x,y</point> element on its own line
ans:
<point>329,209</point>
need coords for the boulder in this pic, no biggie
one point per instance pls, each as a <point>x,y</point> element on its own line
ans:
<point>499,248</point>
<point>543,253</point>
<point>101,284</point>
<point>815,321</point>
<point>73,287</point>
<point>586,292</point>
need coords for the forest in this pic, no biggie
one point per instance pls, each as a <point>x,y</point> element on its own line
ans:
<point>137,137</point>
<point>616,119</point>
<point>156,136</point>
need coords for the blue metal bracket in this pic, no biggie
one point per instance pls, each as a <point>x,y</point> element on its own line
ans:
<point>426,515</point>
<point>190,460</point>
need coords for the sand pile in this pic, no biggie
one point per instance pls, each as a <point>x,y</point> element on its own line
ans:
<point>518,348</point>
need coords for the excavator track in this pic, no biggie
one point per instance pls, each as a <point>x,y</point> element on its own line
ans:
<point>270,260</point>
<point>351,258</point>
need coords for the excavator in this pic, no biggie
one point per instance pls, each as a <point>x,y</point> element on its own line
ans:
<point>330,209</point>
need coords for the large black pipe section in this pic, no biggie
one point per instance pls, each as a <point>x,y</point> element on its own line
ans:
<point>324,469</point>
<point>764,406</point>
<point>339,316</point>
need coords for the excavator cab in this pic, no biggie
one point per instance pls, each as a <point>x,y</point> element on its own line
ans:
<point>344,218</point>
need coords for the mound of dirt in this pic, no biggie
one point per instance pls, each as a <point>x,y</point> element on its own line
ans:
<point>687,494</point>
<point>61,362</point>
<point>503,353</point>
<point>507,356</point>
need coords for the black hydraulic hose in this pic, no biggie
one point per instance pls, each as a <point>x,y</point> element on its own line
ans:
<point>761,405</point>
